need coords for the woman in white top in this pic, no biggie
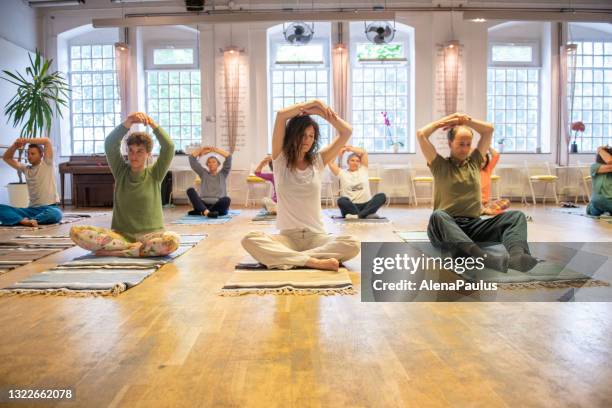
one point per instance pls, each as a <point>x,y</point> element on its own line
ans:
<point>355,200</point>
<point>298,169</point>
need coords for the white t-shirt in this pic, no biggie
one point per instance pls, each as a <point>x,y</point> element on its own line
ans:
<point>41,183</point>
<point>298,195</point>
<point>355,185</point>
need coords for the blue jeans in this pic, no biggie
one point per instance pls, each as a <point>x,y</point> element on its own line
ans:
<point>45,214</point>
<point>599,205</point>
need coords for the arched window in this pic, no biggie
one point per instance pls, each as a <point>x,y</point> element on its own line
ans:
<point>592,102</point>
<point>381,87</point>
<point>299,73</point>
<point>514,86</point>
<point>95,106</point>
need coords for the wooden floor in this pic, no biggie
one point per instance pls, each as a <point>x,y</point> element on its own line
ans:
<point>173,342</point>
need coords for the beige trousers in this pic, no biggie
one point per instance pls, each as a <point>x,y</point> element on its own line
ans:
<point>295,247</point>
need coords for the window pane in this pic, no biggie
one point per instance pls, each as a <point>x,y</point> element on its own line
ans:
<point>300,53</point>
<point>173,56</point>
<point>512,53</point>
<point>171,106</point>
<point>93,108</point>
<point>380,51</point>
<point>591,103</point>
<point>514,114</point>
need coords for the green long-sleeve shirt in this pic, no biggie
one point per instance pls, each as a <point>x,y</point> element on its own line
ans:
<point>137,207</point>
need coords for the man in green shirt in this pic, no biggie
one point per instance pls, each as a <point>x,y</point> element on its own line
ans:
<point>601,176</point>
<point>455,223</point>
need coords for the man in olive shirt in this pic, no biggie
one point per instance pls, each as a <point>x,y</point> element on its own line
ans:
<point>455,223</point>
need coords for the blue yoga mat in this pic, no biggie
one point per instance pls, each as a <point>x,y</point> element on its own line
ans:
<point>200,219</point>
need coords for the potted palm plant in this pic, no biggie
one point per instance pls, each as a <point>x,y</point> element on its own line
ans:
<point>40,94</point>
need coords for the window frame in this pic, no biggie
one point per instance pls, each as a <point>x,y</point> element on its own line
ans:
<point>580,137</point>
<point>536,53</point>
<point>71,112</point>
<point>152,46</point>
<point>355,62</point>
<point>273,44</point>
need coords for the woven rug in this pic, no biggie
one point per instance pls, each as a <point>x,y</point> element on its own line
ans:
<point>582,212</point>
<point>264,217</point>
<point>24,249</point>
<point>339,219</point>
<point>251,277</point>
<point>67,218</point>
<point>547,274</point>
<point>200,219</point>
<point>92,275</point>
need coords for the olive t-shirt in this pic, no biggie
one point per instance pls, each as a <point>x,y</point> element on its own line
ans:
<point>457,186</point>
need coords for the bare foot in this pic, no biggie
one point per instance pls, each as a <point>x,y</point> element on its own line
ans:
<point>330,264</point>
<point>29,223</point>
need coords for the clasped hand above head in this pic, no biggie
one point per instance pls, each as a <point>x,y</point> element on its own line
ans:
<point>139,117</point>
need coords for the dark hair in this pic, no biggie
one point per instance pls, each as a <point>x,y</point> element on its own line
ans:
<point>351,156</point>
<point>487,159</point>
<point>37,147</point>
<point>600,159</point>
<point>140,139</point>
<point>270,165</point>
<point>450,135</point>
<point>292,142</point>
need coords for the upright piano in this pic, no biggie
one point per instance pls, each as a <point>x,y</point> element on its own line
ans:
<point>92,181</point>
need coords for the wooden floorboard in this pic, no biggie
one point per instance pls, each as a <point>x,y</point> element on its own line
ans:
<point>172,341</point>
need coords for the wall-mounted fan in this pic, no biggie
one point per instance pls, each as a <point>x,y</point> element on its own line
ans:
<point>298,33</point>
<point>380,32</point>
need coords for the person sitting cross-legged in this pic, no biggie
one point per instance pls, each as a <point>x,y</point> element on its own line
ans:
<point>212,201</point>
<point>40,179</point>
<point>455,223</point>
<point>601,177</point>
<point>355,200</point>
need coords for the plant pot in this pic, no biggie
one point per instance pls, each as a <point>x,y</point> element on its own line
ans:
<point>18,194</point>
<point>574,147</point>
<point>500,147</point>
<point>395,148</point>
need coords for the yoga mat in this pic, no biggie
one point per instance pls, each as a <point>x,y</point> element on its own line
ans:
<point>200,219</point>
<point>11,258</point>
<point>24,249</point>
<point>547,274</point>
<point>339,219</point>
<point>413,236</point>
<point>582,212</point>
<point>67,218</point>
<point>90,275</point>
<point>264,217</point>
<point>260,281</point>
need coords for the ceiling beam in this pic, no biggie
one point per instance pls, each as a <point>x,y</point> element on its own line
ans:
<point>534,15</point>
<point>240,17</point>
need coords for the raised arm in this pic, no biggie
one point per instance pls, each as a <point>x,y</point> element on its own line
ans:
<point>329,152</point>
<point>45,141</point>
<point>423,135</point>
<point>485,129</point>
<point>10,152</point>
<point>166,151</point>
<point>262,164</point>
<point>280,123</point>
<point>363,155</point>
<point>603,153</point>
<point>220,151</point>
<point>227,164</point>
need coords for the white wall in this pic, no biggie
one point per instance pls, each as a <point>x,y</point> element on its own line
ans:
<point>430,29</point>
<point>18,36</point>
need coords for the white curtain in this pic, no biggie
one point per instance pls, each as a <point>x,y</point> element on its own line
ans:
<point>122,62</point>
<point>340,73</point>
<point>567,84</point>
<point>231,61</point>
<point>451,76</point>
